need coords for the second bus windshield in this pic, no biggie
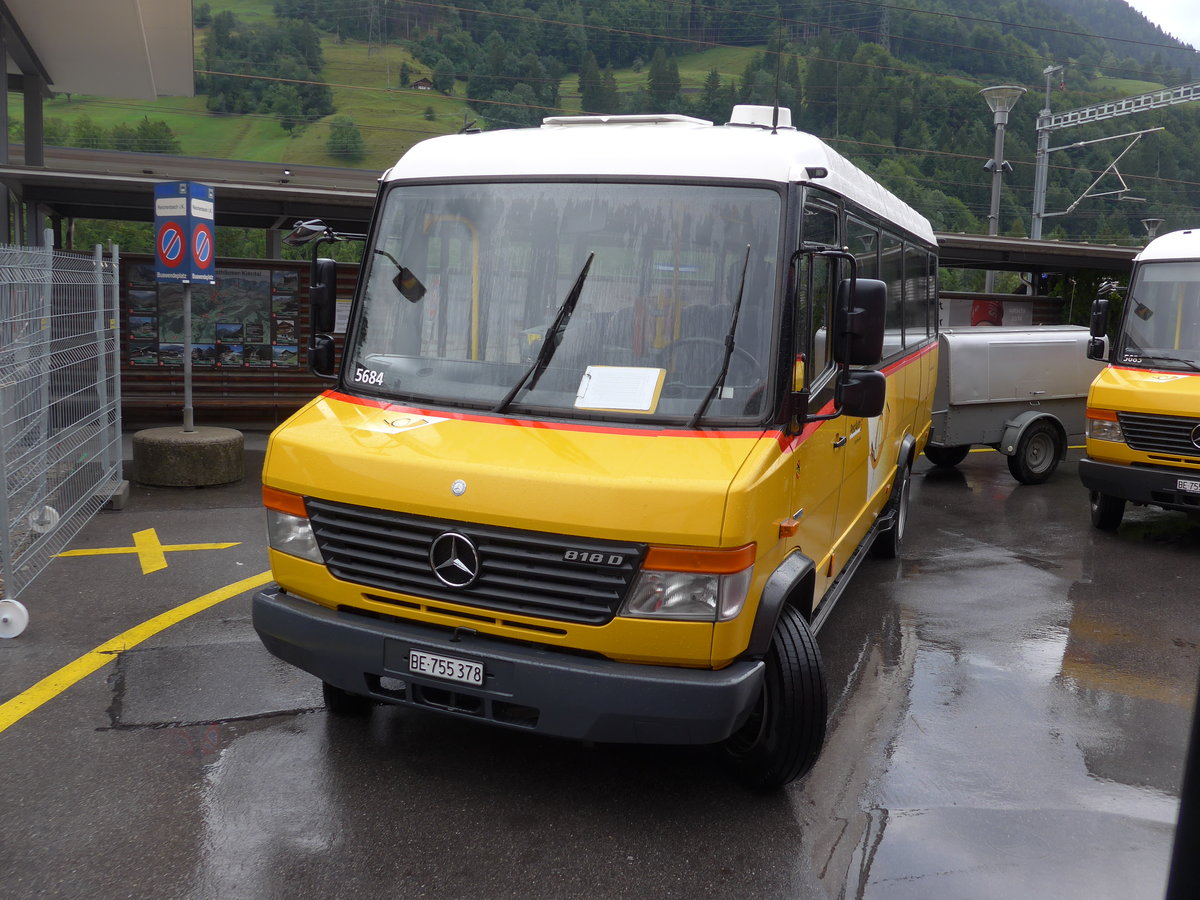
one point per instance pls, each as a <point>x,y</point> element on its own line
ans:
<point>1162,317</point>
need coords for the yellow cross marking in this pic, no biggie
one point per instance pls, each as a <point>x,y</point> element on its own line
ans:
<point>151,552</point>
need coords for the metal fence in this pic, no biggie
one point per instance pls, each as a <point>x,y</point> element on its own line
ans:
<point>60,408</point>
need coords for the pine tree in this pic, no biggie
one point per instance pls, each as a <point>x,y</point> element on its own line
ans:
<point>345,140</point>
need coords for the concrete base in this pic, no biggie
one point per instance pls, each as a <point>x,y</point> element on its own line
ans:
<point>172,457</point>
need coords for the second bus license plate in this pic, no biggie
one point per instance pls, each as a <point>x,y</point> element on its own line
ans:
<point>1192,487</point>
<point>460,670</point>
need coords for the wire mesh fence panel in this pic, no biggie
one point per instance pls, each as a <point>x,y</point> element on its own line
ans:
<point>60,410</point>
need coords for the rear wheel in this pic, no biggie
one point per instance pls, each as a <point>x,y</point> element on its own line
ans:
<point>1107,511</point>
<point>887,543</point>
<point>341,702</point>
<point>946,457</point>
<point>1037,454</point>
<point>783,736</point>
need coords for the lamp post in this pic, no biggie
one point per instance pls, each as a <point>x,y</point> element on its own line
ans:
<point>1152,226</point>
<point>1000,99</point>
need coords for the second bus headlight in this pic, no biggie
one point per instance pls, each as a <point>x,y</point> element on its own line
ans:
<point>1102,425</point>
<point>292,534</point>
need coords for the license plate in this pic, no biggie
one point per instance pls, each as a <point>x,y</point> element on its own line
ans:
<point>460,670</point>
<point>1185,484</point>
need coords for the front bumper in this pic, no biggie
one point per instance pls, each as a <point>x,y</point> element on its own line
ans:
<point>1138,484</point>
<point>526,687</point>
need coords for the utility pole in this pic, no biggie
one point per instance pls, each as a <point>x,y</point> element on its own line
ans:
<point>1041,167</point>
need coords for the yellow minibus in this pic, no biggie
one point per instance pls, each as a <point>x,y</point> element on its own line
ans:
<point>1143,409</point>
<point>623,403</point>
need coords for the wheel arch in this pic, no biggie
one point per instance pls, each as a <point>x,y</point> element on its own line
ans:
<point>1015,428</point>
<point>791,584</point>
<point>908,450</point>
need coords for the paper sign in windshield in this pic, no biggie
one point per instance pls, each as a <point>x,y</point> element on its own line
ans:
<point>620,388</point>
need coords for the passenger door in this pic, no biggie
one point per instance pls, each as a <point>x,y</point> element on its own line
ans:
<point>819,451</point>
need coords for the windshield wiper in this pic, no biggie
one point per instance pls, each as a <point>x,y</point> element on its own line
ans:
<point>737,309</point>
<point>550,341</point>
<point>1154,357</point>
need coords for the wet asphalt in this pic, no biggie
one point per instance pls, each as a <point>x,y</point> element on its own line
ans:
<point>1010,709</point>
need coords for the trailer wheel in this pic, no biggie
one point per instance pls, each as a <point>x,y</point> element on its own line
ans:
<point>1107,511</point>
<point>342,703</point>
<point>783,736</point>
<point>1037,454</point>
<point>946,457</point>
<point>887,543</point>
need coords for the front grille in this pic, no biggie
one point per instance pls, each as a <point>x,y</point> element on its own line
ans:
<point>1160,434</point>
<point>523,572</point>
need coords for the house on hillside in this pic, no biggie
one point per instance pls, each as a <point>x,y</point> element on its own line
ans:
<point>423,84</point>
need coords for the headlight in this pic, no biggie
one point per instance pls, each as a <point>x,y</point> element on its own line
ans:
<point>1102,425</point>
<point>293,535</point>
<point>693,596</point>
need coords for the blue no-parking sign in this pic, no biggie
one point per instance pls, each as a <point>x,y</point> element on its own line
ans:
<point>183,232</point>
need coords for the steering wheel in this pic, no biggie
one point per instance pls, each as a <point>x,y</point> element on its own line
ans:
<point>667,354</point>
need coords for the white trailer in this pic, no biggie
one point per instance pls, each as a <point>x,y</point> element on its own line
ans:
<point>1019,390</point>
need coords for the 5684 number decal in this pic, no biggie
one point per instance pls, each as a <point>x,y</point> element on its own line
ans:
<point>366,376</point>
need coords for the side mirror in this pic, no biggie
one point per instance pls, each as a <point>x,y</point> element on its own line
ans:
<point>322,296</point>
<point>863,393</point>
<point>858,322</point>
<point>1095,348</point>
<point>320,355</point>
<point>306,231</point>
<point>1099,323</point>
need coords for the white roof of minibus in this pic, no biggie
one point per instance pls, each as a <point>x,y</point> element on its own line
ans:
<point>1176,245</point>
<point>667,147</point>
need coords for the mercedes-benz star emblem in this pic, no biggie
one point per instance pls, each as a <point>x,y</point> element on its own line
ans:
<point>454,559</point>
<point>1196,436</point>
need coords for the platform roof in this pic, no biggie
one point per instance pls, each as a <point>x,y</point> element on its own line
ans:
<point>134,49</point>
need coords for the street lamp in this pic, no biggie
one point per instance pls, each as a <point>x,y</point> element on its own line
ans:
<point>1152,226</point>
<point>1000,99</point>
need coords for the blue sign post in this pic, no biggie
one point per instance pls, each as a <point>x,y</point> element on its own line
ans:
<point>183,254</point>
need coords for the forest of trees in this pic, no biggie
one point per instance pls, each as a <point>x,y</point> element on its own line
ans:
<point>285,61</point>
<point>145,136</point>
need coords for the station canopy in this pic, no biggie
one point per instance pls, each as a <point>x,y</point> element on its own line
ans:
<point>135,49</point>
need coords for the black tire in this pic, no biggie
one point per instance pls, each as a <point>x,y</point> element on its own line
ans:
<point>1107,511</point>
<point>342,703</point>
<point>783,736</point>
<point>1038,453</point>
<point>887,543</point>
<point>946,457</point>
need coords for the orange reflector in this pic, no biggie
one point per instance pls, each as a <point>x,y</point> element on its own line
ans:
<point>689,559</point>
<point>1107,415</point>
<point>284,501</point>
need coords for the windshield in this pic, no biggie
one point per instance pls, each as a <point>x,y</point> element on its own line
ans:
<point>1162,318</point>
<point>600,301</point>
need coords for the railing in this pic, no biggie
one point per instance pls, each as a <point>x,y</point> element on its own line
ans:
<point>60,408</point>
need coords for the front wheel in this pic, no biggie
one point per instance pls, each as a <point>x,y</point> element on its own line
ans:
<point>1037,454</point>
<point>783,736</point>
<point>1107,511</point>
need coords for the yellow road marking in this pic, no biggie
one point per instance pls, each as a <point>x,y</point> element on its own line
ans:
<point>151,552</point>
<point>53,685</point>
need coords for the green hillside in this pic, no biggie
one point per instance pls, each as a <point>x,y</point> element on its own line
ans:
<point>895,89</point>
